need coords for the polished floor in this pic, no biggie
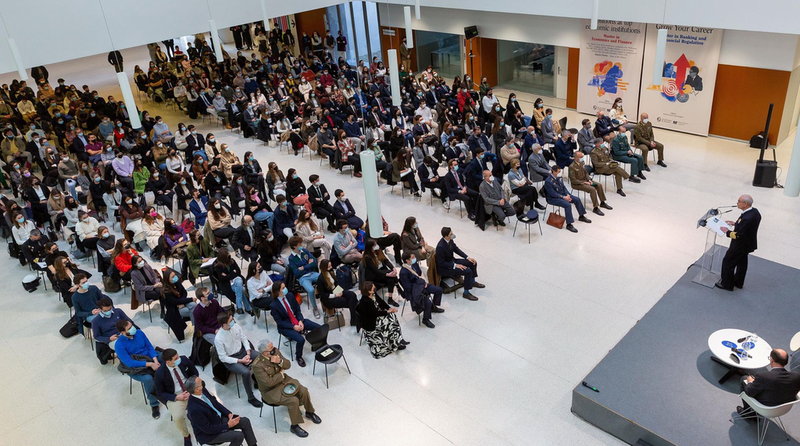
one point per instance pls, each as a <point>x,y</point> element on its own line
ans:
<point>496,371</point>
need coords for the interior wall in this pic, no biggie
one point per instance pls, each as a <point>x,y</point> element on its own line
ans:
<point>741,100</point>
<point>572,78</point>
<point>310,21</point>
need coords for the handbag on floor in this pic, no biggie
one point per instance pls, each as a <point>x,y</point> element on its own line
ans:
<point>556,220</point>
<point>69,329</point>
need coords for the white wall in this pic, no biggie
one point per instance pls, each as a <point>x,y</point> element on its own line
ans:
<point>741,48</point>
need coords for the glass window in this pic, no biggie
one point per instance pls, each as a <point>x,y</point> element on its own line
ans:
<point>333,20</point>
<point>441,51</point>
<point>374,31</point>
<point>347,30</point>
<point>360,28</point>
<point>526,67</point>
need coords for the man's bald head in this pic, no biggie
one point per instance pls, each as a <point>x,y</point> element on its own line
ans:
<point>779,356</point>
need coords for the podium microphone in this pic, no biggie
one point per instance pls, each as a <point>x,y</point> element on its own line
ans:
<point>715,211</point>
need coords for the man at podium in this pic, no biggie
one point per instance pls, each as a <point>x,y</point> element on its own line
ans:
<point>743,242</point>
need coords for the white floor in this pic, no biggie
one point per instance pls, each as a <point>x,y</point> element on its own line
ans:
<point>496,371</point>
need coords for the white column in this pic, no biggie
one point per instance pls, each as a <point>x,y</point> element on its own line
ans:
<point>394,77</point>
<point>369,175</point>
<point>212,25</point>
<point>658,64</point>
<point>409,29</point>
<point>792,187</point>
<point>127,95</point>
<point>264,15</point>
<point>12,44</point>
<point>417,13</point>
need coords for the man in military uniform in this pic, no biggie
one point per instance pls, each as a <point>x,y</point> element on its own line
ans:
<point>602,163</point>
<point>743,242</point>
<point>646,140</point>
<point>272,381</point>
<point>581,181</point>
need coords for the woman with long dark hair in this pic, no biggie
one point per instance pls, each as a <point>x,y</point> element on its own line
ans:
<point>177,303</point>
<point>231,282</point>
<point>326,284</point>
<point>379,269</point>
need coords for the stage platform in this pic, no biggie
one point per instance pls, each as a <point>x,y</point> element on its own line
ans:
<point>659,383</point>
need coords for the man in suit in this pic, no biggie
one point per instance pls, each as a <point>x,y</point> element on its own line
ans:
<point>558,195</point>
<point>289,318</point>
<point>428,173</point>
<point>171,391</point>
<point>79,146</point>
<point>305,269</point>
<point>743,242</point>
<point>586,137</point>
<point>448,266</point>
<point>457,188</point>
<point>538,167</point>
<point>212,422</point>
<point>268,369</point>
<point>565,148</point>
<point>494,201</point>
<point>473,173</point>
<point>646,140</point>
<point>478,140</point>
<point>343,210</point>
<point>320,201</point>
<point>195,142</point>
<point>37,196</point>
<point>581,181</point>
<point>418,291</point>
<point>771,388</point>
<point>245,237</point>
<point>604,125</point>
<point>693,80</point>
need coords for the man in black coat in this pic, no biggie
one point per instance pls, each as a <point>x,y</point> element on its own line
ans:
<point>457,188</point>
<point>424,297</point>
<point>773,387</point>
<point>743,242</point>
<point>212,422</point>
<point>170,390</point>
<point>343,210</point>
<point>244,239</point>
<point>448,266</point>
<point>319,197</point>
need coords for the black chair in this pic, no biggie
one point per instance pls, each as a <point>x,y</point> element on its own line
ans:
<point>324,352</point>
<point>530,218</point>
<point>273,406</point>
<point>405,300</point>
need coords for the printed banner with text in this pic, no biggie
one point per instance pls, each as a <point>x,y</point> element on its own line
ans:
<point>610,66</point>
<point>683,100</point>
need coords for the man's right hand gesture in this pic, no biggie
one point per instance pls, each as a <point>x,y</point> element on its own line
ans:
<point>233,421</point>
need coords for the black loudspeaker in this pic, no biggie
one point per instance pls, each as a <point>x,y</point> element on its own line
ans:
<point>471,31</point>
<point>766,173</point>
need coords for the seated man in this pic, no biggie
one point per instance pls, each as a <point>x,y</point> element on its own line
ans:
<point>205,314</point>
<point>604,125</point>
<point>136,352</point>
<point>268,369</point>
<point>289,319</point>
<point>429,177</point>
<point>457,188</point>
<point>646,140</point>
<point>305,269</point>
<point>343,210</point>
<point>244,239</point>
<point>586,137</point>
<point>234,351</point>
<point>345,243</point>
<point>448,266</point>
<point>418,291</point>
<point>564,149</point>
<point>319,197</point>
<point>34,250</point>
<point>170,389</point>
<point>622,152</point>
<point>538,167</point>
<point>580,180</point>
<point>211,421</point>
<point>605,165</point>
<point>773,387</point>
<point>104,329</point>
<point>558,195</point>
<point>494,201</point>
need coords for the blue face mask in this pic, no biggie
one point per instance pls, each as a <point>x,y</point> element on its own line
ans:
<point>480,157</point>
<point>106,313</point>
<point>455,169</point>
<point>85,285</point>
<point>294,176</point>
<point>252,158</point>
<point>231,323</point>
<point>178,361</point>
<point>413,261</point>
<point>284,291</point>
<point>132,331</point>
<point>175,279</point>
<point>549,116</point>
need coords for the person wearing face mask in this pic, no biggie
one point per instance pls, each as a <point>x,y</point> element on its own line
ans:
<point>219,220</point>
<point>447,265</point>
<point>289,318</point>
<point>68,172</point>
<point>646,140</point>
<point>86,229</point>
<point>565,148</point>
<point>105,246</point>
<point>604,125</point>
<point>236,354</point>
<point>228,161</point>
<point>132,214</point>
<point>548,128</point>
<point>622,152</point>
<point>123,166</point>
<point>305,269</point>
<point>177,303</point>
<point>215,183</point>
<point>159,185</point>
<point>381,328</point>
<point>104,329</point>
<point>136,354</point>
<point>153,226</point>
<point>424,297</point>
<point>494,201</point>
<point>170,389</point>
<point>37,195</point>
<point>84,301</point>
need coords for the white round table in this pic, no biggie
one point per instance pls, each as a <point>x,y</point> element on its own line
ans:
<point>721,343</point>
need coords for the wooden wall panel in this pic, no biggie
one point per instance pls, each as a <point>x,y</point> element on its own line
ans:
<point>310,21</point>
<point>741,100</point>
<point>572,77</point>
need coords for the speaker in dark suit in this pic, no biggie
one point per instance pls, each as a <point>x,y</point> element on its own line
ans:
<point>743,242</point>
<point>773,387</point>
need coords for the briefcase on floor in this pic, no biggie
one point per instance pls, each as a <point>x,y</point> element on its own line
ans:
<point>556,220</point>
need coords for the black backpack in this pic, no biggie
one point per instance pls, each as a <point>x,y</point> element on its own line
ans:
<point>69,329</point>
<point>345,277</point>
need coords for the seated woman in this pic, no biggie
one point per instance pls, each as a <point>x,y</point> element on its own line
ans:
<point>55,207</point>
<point>412,241</point>
<point>177,304</point>
<point>86,229</point>
<point>377,318</point>
<point>276,182</point>
<point>71,210</point>
<point>269,253</point>
<point>379,269</point>
<point>153,225</point>
<point>258,208</point>
<point>310,230</point>
<point>253,173</point>
<point>105,246</point>
<point>402,171</point>
<point>175,165</point>
<point>121,257</point>
<point>348,153</point>
<point>258,285</point>
<point>198,206</point>
<point>145,280</point>
<point>133,214</point>
<point>237,194</point>
<point>184,186</point>
<point>140,176</point>
<point>199,167</point>
<point>96,191</point>
<point>377,150</point>
<point>161,188</point>
<point>296,190</point>
<point>22,228</point>
<point>228,160</point>
<point>112,198</point>
<point>175,238</point>
<point>326,284</point>
<point>198,252</point>
<point>64,278</point>
<point>231,282</point>
<point>219,219</point>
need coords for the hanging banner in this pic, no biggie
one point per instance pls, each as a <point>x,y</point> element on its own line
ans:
<point>610,66</point>
<point>683,100</point>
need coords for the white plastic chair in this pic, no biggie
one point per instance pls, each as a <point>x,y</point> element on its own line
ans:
<point>764,414</point>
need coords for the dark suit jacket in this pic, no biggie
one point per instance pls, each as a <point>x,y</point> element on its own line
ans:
<point>445,258</point>
<point>450,183</point>
<point>33,197</point>
<point>205,422</point>
<point>604,126</point>
<point>745,231</point>
<point>554,187</point>
<point>281,317</point>
<point>164,385</point>
<point>318,199</point>
<point>564,152</point>
<point>340,213</point>
<point>242,238</point>
<point>774,387</point>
